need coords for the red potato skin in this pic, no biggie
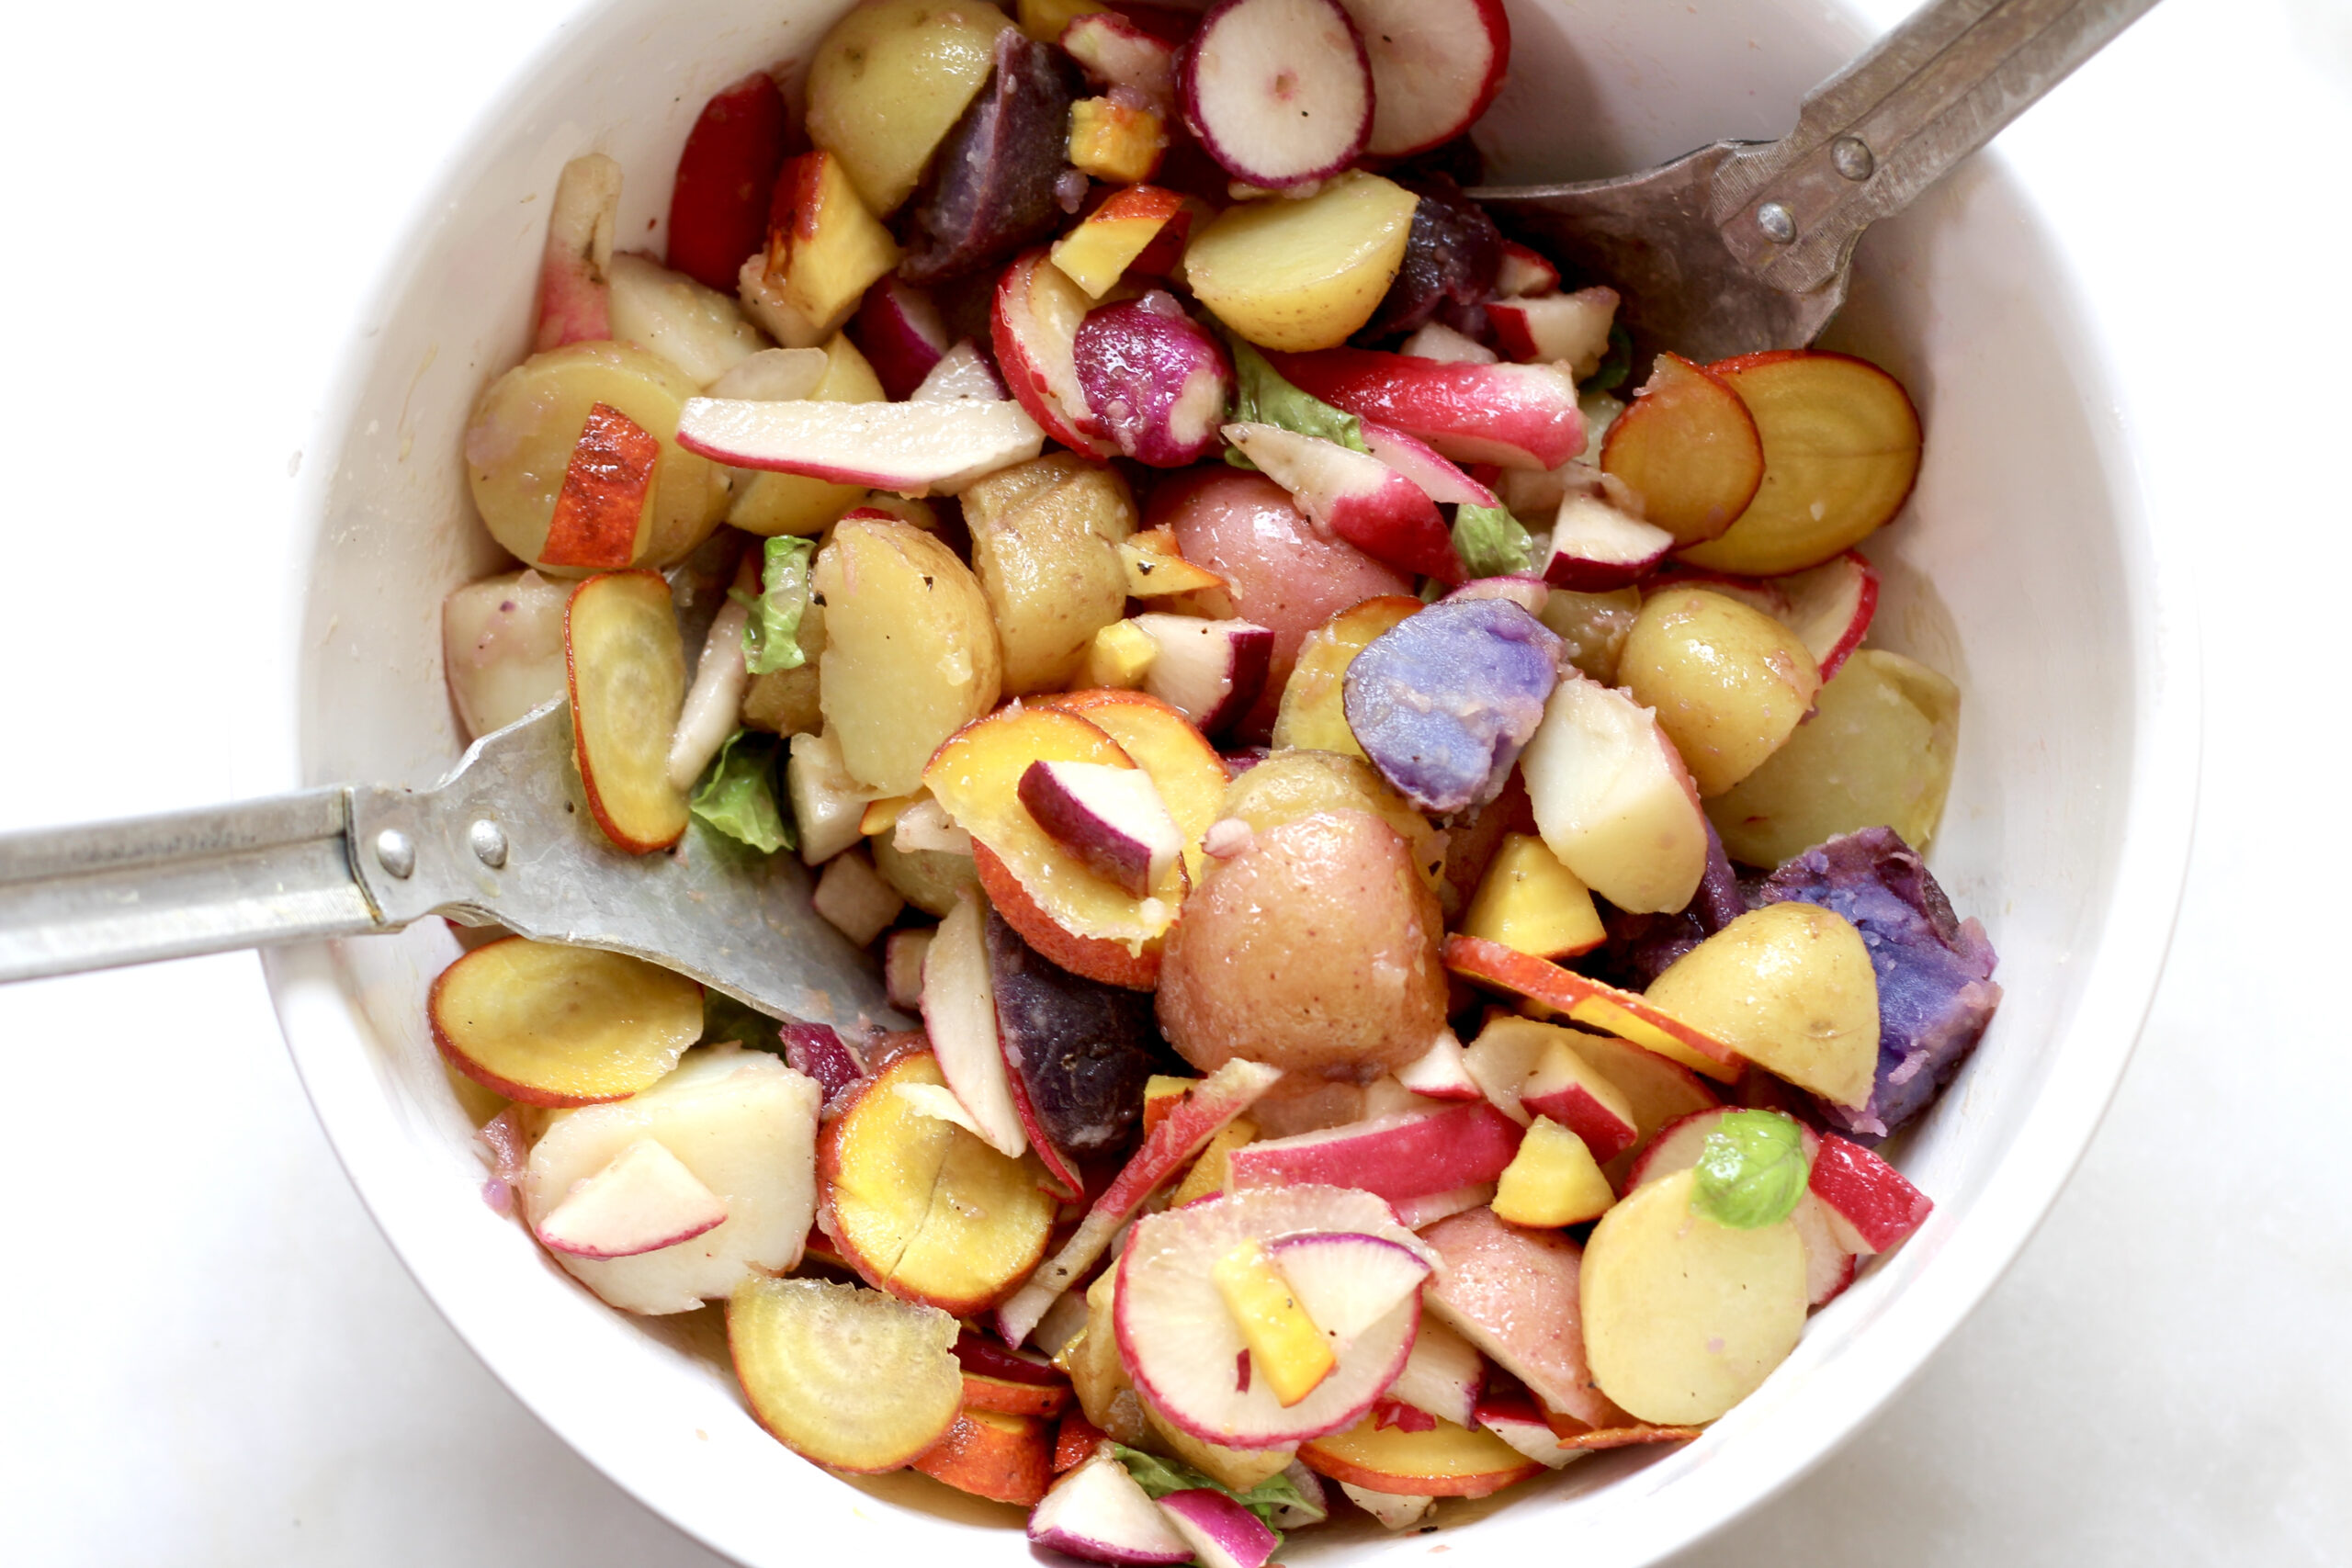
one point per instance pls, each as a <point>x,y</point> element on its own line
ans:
<point>1281,575</point>
<point>726,171</point>
<point>1519,1289</point>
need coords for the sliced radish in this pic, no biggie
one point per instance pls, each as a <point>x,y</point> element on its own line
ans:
<point>1033,324</point>
<point>642,1202</point>
<point>959,1015</point>
<point>1830,608</point>
<point>1392,1157</point>
<point>962,375</point>
<point>898,330</point>
<point>1439,479</point>
<point>1114,52</point>
<point>575,299</point>
<point>1552,329</point>
<point>1394,1510</point>
<point>1438,1072</point>
<point>1347,1283</point>
<point>1415,1213</point>
<point>1208,671</point>
<point>1873,1204</point>
<point>1511,1414</point>
<point>774,376</point>
<point>1279,92</point>
<point>911,448</point>
<point>1358,498</point>
<point>1439,342</point>
<point>1098,1513</point>
<point>1443,1376</point>
<point>1182,1344</point>
<point>1436,64</point>
<point>1112,818</point>
<point>1221,1533</point>
<point>1525,275</point>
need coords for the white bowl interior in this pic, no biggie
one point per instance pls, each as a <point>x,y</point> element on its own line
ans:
<point>2023,569</point>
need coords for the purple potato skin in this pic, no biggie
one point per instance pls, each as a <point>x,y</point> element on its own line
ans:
<point>1444,701</point>
<point>1935,970</point>
<point>1081,1049</point>
<point>1451,258</point>
<point>816,1050</point>
<point>992,188</point>
<point>1156,379</point>
<point>1642,947</point>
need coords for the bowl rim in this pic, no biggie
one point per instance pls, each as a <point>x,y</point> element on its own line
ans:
<point>2135,926</point>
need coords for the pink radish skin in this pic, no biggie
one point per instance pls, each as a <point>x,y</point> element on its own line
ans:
<point>1154,378</point>
<point>1279,92</point>
<point>1436,64</point>
<point>1525,274</point>
<point>898,330</point>
<point>1034,326</point>
<point>1596,547</point>
<point>1355,497</point>
<point>575,301</point>
<point>1112,818</point>
<point>1346,1283</point>
<point>1415,1213</point>
<point>962,375</point>
<point>1516,416</point>
<point>1098,1513</point>
<point>1221,1533</point>
<point>1209,670</point>
<point>1437,340</point>
<point>1114,52</point>
<point>1392,1157</point>
<point>1830,608</point>
<point>1423,464</point>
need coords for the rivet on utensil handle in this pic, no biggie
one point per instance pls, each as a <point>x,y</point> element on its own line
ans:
<point>1851,155</point>
<point>489,841</point>
<point>395,853</point>
<point>1774,219</point>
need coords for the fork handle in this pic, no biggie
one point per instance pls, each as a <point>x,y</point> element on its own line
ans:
<point>176,885</point>
<point>1881,130</point>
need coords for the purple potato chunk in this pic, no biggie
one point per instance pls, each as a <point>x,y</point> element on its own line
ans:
<point>1451,258</point>
<point>1078,1051</point>
<point>1156,378</point>
<point>816,1050</point>
<point>1642,947</point>
<point>992,188</point>
<point>1445,702</point>
<point>1935,970</point>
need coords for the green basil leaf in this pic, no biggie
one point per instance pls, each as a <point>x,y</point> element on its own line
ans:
<point>737,794</point>
<point>1617,364</point>
<point>772,636</point>
<point>724,1018</point>
<point>1491,542</point>
<point>1261,396</point>
<point>1752,1170</point>
<point>1160,1476</point>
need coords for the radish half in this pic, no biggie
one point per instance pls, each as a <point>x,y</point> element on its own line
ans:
<point>1278,90</point>
<point>1436,64</point>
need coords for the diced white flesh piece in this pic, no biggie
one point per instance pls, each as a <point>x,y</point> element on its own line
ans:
<point>640,1202</point>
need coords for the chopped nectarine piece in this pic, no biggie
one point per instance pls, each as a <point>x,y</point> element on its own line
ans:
<point>824,248</point>
<point>1593,1004</point>
<point>1115,143</point>
<point>1118,657</point>
<point>1097,254</point>
<point>601,508</point>
<point>549,1024</point>
<point>1005,1458</point>
<point>1552,1180</point>
<point>1285,1347</point>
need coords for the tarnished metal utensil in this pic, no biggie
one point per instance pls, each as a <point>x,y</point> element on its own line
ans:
<point>1743,246</point>
<point>506,837</point>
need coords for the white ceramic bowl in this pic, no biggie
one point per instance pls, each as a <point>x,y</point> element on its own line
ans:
<point>2025,569</point>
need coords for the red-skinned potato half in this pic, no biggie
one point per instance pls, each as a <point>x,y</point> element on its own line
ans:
<point>602,504</point>
<point>1841,451</point>
<point>719,203</point>
<point>626,665</point>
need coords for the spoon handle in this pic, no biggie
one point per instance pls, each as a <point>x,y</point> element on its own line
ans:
<point>1881,130</point>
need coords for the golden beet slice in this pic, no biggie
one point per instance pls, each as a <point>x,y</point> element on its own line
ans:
<point>627,671</point>
<point>1841,451</point>
<point>548,1024</point>
<point>921,1207</point>
<point>1690,449</point>
<point>848,1377</point>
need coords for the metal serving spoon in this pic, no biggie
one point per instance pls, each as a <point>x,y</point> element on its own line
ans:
<point>1737,247</point>
<point>1743,246</point>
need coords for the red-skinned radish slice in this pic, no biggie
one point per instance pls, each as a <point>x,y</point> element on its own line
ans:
<point>962,375</point>
<point>910,448</point>
<point>1221,1533</point>
<point>1355,497</point>
<point>1156,379</point>
<point>626,668</point>
<point>1596,547</point>
<point>1519,416</point>
<point>1181,1343</point>
<point>1525,274</point>
<point>1415,1213</point>
<point>1436,64</point>
<point>602,504</point>
<point>1830,608</point>
<point>1443,1376</point>
<point>774,376</point>
<point>1097,1513</point>
<point>1440,1073</point>
<point>1033,325</point>
<point>1208,671</point>
<point>1390,1156</point>
<point>718,203</point>
<point>898,330</point>
<point>1112,818</point>
<point>1551,329</point>
<point>960,1019</point>
<point>1279,92</point>
<point>574,304</point>
<point>1423,464</point>
<point>642,1202</point>
<point>1345,1283</point>
<point>1439,342</point>
<point>1872,1203</point>
<point>1114,52</point>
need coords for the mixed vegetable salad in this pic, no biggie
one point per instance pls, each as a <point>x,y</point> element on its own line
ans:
<point>1407,868</point>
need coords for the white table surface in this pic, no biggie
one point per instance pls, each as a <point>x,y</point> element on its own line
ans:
<point>208,1355</point>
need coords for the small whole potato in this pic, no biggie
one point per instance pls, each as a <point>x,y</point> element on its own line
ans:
<point>1282,575</point>
<point>1294,783</point>
<point>1729,683</point>
<point>1314,948</point>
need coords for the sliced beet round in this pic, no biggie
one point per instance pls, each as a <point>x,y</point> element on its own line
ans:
<point>1278,90</point>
